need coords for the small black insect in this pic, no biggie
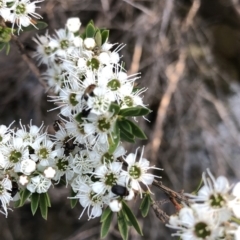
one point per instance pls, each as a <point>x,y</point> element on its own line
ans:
<point>57,124</point>
<point>89,91</point>
<point>120,190</point>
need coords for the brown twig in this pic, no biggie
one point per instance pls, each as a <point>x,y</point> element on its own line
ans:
<point>161,215</point>
<point>172,195</point>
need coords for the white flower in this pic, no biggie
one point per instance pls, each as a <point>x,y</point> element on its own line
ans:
<point>107,175</point>
<point>22,12</point>
<point>4,134</point>
<point>4,10</point>
<point>73,24</point>
<point>28,166</point>
<point>39,184</point>
<point>31,135</point>
<point>137,171</point>
<point>5,195</point>
<point>115,205</point>
<point>45,49</point>
<point>100,126</point>
<point>43,151</point>
<point>84,162</point>
<point>195,224</point>
<point>14,151</point>
<point>214,196</point>
<point>90,200</point>
<point>62,165</point>
<point>235,203</point>
<point>100,102</point>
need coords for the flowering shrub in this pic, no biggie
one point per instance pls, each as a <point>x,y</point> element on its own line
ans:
<point>98,105</point>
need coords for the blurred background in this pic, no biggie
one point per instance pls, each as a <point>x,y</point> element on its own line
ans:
<point>188,53</point>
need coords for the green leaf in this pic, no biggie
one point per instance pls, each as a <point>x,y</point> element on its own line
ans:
<point>25,195</point>
<point>198,188</point>
<point>2,45</point>
<point>90,30</point>
<point>125,131</point>
<point>48,199</point>
<point>105,35</point>
<point>125,126</point>
<point>39,25</point>
<point>134,112</point>
<point>17,203</point>
<point>114,139</point>
<point>98,38</point>
<point>73,201</point>
<point>132,218</point>
<point>136,131</point>
<point>114,108</point>
<point>105,214</point>
<point>127,138</point>
<point>145,205</point>
<point>44,205</point>
<point>34,202</point>
<point>122,225</point>
<point>106,224</point>
<point>7,48</point>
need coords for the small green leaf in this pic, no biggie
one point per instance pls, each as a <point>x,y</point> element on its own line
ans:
<point>105,35</point>
<point>145,205</point>
<point>39,25</point>
<point>125,126</point>
<point>25,195</point>
<point>114,108</point>
<point>98,38</point>
<point>34,202</point>
<point>106,225</point>
<point>17,203</point>
<point>134,112</point>
<point>2,45</point>
<point>136,131</point>
<point>122,225</point>
<point>7,48</point>
<point>105,214</point>
<point>127,138</point>
<point>44,205</point>
<point>198,188</point>
<point>73,201</point>
<point>114,139</point>
<point>48,199</point>
<point>90,31</point>
<point>132,218</point>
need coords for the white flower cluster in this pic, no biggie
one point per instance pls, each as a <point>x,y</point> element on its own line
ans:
<point>85,150</point>
<point>19,12</point>
<point>88,78</point>
<point>214,213</point>
<point>26,158</point>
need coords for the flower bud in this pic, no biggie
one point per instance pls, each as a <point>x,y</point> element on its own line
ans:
<point>73,24</point>
<point>115,205</point>
<point>28,166</point>
<point>49,172</point>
